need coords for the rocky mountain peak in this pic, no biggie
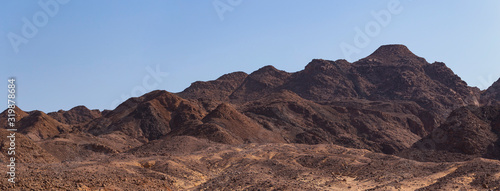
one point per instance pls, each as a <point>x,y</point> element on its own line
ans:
<point>392,53</point>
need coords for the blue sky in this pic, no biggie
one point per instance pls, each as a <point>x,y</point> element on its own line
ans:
<point>98,53</point>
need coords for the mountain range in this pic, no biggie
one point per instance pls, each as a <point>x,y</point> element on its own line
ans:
<point>334,125</point>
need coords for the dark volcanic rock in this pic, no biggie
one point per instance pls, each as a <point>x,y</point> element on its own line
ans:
<point>323,80</point>
<point>356,125</point>
<point>391,73</point>
<point>468,130</point>
<point>392,76</point>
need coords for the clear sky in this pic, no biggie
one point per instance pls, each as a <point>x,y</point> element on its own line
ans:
<point>98,53</point>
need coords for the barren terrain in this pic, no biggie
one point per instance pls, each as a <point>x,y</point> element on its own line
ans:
<point>390,121</point>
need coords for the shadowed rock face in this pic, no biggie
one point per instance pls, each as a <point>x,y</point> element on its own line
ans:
<point>469,130</point>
